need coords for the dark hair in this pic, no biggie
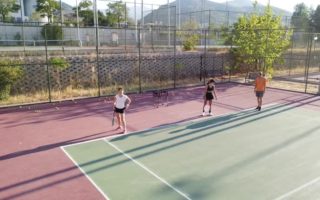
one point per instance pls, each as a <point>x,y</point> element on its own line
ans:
<point>120,88</point>
<point>211,80</point>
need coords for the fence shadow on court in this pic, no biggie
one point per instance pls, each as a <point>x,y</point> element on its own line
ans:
<point>194,131</point>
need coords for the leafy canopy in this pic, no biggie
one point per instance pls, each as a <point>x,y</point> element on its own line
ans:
<point>315,19</point>
<point>260,39</point>
<point>189,35</point>
<point>116,14</point>
<point>300,17</point>
<point>8,6</point>
<point>47,8</point>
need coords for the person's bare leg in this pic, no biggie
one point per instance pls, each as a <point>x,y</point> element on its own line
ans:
<point>210,105</point>
<point>260,101</point>
<point>124,123</point>
<point>204,105</point>
<point>118,120</point>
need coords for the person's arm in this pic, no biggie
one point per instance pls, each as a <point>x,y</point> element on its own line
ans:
<point>214,92</point>
<point>114,101</point>
<point>204,94</point>
<point>255,86</point>
<point>128,102</point>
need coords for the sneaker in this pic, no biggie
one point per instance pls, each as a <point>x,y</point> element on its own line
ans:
<point>118,128</point>
<point>203,114</point>
<point>124,131</point>
<point>210,113</point>
<point>259,108</point>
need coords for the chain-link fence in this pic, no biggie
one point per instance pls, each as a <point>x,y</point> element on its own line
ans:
<point>94,61</point>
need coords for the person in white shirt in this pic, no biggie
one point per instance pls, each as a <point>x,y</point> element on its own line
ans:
<point>121,102</point>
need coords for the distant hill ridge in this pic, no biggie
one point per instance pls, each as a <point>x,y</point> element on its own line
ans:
<point>219,14</point>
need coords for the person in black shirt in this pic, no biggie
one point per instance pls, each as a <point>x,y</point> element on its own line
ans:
<point>209,95</point>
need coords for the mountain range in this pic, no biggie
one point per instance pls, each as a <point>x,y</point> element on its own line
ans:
<point>221,13</point>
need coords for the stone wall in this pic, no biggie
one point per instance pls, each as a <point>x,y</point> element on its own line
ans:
<point>118,69</point>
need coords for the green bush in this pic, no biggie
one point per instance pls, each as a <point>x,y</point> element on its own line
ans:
<point>10,72</point>
<point>52,31</point>
<point>58,63</point>
<point>190,42</point>
<point>18,38</point>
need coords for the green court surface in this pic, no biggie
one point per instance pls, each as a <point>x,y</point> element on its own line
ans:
<point>272,154</point>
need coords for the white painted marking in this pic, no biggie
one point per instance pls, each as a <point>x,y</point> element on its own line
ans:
<point>298,189</point>
<point>148,170</point>
<point>88,177</point>
<point>166,126</point>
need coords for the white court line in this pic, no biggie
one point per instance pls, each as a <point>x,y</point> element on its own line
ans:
<point>88,177</point>
<point>298,189</point>
<point>148,170</point>
<point>167,125</point>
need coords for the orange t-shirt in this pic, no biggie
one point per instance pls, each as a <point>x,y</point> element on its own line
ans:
<point>260,84</point>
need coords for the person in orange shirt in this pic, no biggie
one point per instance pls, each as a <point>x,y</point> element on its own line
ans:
<point>259,89</point>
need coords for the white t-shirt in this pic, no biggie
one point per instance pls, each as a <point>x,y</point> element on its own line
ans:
<point>121,101</point>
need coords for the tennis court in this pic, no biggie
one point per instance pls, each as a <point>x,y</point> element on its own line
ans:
<point>272,154</point>
<point>313,78</point>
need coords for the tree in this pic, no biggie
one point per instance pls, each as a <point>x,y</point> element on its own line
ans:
<point>85,12</point>
<point>300,17</point>
<point>260,40</point>
<point>47,8</point>
<point>10,73</point>
<point>8,6</point>
<point>52,32</point>
<point>315,19</point>
<point>116,14</point>
<point>189,35</point>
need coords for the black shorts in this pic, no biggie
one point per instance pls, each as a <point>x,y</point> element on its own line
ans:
<point>259,94</point>
<point>209,96</point>
<point>119,110</point>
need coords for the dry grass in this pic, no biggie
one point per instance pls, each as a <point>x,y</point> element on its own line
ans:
<point>294,86</point>
<point>146,85</point>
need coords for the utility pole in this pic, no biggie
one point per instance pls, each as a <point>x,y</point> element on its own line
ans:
<point>179,19</point>
<point>169,22</point>
<point>78,27</point>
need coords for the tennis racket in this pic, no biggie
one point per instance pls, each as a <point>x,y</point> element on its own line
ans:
<point>113,115</point>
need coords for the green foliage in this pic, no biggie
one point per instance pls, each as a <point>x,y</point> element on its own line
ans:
<point>18,38</point>
<point>52,32</point>
<point>190,42</point>
<point>8,6</point>
<point>85,12</point>
<point>58,63</point>
<point>10,72</point>
<point>47,8</point>
<point>116,14</point>
<point>189,35</point>
<point>35,16</point>
<point>260,40</point>
<point>300,17</point>
<point>315,19</point>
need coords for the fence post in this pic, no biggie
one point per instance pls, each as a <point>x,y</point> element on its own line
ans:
<point>97,48</point>
<point>291,55</point>
<point>139,50</point>
<point>174,59</point>
<point>125,26</point>
<point>205,54</point>
<point>47,64</point>
<point>309,51</point>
